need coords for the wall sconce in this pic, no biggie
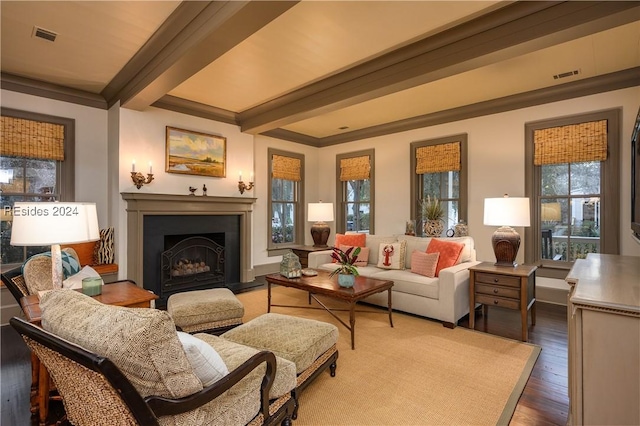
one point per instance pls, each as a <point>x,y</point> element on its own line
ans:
<point>243,186</point>
<point>138,178</point>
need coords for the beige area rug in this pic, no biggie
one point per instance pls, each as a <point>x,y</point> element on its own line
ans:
<point>417,373</point>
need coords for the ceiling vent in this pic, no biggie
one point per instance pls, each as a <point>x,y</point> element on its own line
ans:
<point>566,74</point>
<point>44,34</point>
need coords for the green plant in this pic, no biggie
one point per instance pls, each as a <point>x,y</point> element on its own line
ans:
<point>346,259</point>
<point>431,208</point>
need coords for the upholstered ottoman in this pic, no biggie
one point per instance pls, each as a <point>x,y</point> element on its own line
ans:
<point>308,343</point>
<point>215,310</point>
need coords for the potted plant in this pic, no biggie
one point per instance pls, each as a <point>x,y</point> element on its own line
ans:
<point>347,270</point>
<point>432,214</point>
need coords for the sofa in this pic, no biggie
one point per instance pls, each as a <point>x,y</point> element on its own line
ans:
<point>443,297</point>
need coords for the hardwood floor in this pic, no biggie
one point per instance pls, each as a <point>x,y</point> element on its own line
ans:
<point>543,402</point>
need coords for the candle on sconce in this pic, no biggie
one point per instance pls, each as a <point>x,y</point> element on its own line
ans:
<point>133,166</point>
<point>251,180</point>
<point>150,168</point>
<point>240,176</point>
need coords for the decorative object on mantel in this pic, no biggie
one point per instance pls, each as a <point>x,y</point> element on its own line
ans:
<point>432,215</point>
<point>290,266</point>
<point>194,153</point>
<point>243,186</point>
<point>320,213</point>
<point>506,212</point>
<point>192,190</point>
<point>138,178</point>
<point>204,190</point>
<point>347,271</point>
<point>410,229</point>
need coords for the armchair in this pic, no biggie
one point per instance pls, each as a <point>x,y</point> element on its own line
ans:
<point>96,392</point>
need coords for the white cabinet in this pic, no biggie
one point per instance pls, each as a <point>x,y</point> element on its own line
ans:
<point>604,340</point>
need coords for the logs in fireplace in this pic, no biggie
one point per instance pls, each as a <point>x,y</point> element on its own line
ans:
<point>193,262</point>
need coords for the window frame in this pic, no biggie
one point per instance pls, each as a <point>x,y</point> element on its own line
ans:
<point>65,170</point>
<point>609,191</point>
<point>275,249</point>
<point>416,185</point>
<point>341,215</point>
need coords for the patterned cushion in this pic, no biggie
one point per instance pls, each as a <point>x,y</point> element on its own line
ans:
<point>392,255</point>
<point>363,256</point>
<point>424,264</point>
<point>300,340</point>
<point>105,252</point>
<point>204,306</point>
<point>143,343</point>
<point>449,253</point>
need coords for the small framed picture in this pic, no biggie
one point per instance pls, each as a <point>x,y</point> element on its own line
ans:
<point>195,153</point>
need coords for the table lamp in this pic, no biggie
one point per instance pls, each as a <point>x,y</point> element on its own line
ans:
<point>320,213</point>
<point>54,223</point>
<point>506,212</point>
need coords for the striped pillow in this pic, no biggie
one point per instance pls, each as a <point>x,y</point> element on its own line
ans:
<point>105,252</point>
<point>424,263</point>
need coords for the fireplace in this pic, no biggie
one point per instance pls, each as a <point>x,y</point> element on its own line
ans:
<point>164,230</point>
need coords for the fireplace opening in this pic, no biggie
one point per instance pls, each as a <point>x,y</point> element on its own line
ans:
<point>192,261</point>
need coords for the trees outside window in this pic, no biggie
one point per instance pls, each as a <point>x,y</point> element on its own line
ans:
<point>355,192</point>
<point>286,201</point>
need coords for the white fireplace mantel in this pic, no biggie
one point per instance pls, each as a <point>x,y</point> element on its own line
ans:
<point>140,205</point>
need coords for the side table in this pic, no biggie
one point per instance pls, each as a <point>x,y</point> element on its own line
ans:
<point>303,253</point>
<point>508,287</point>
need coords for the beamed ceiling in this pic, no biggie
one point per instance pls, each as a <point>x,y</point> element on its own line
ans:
<point>320,72</point>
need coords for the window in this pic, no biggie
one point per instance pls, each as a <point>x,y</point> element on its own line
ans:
<point>36,164</point>
<point>439,169</point>
<point>573,188</point>
<point>286,199</point>
<point>355,192</point>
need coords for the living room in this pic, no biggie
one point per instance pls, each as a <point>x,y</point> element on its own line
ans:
<point>108,141</point>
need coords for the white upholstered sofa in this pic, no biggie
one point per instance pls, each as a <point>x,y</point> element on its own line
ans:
<point>444,298</point>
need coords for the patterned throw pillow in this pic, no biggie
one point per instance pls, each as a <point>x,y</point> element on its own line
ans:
<point>363,256</point>
<point>355,240</point>
<point>424,264</point>
<point>105,252</point>
<point>392,255</point>
<point>449,253</point>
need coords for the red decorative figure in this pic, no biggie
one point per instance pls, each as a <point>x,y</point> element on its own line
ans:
<point>388,251</point>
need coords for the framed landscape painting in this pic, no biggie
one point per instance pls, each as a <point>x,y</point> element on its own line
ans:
<point>195,153</point>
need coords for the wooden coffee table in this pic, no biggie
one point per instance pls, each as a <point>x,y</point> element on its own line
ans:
<point>327,286</point>
<point>121,293</point>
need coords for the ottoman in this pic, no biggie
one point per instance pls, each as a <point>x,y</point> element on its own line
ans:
<point>214,310</point>
<point>309,344</point>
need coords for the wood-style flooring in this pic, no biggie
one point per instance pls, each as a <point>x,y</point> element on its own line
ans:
<point>543,402</point>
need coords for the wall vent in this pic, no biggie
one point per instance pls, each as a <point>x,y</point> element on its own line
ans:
<point>566,74</point>
<point>44,34</point>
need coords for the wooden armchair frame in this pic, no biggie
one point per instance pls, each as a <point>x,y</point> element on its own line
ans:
<point>87,381</point>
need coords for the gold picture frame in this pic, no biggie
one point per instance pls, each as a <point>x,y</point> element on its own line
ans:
<point>195,153</point>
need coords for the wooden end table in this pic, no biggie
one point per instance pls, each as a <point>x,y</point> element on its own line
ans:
<point>508,287</point>
<point>322,284</point>
<point>303,253</point>
<point>121,293</point>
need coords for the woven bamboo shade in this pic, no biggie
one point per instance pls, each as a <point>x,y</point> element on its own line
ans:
<point>31,139</point>
<point>439,158</point>
<point>286,168</point>
<point>355,168</point>
<point>571,144</point>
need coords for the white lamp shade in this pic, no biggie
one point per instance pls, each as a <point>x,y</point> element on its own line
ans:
<point>320,212</point>
<point>507,211</point>
<point>46,223</point>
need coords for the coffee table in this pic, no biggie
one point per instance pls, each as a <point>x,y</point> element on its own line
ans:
<point>327,286</point>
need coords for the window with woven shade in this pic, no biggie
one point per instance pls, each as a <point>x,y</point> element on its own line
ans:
<point>570,180</point>
<point>36,164</point>
<point>355,192</point>
<point>286,174</point>
<point>439,172</point>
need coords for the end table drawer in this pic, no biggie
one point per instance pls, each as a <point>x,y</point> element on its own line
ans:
<point>497,301</point>
<point>492,290</point>
<point>482,277</point>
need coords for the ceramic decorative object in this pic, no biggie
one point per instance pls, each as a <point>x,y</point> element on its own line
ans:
<point>461,230</point>
<point>346,280</point>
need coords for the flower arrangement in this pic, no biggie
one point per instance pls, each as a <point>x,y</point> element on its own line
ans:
<point>346,259</point>
<point>431,208</point>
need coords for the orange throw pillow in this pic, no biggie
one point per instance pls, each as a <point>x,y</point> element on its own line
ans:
<point>449,253</point>
<point>424,263</point>
<point>354,240</point>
